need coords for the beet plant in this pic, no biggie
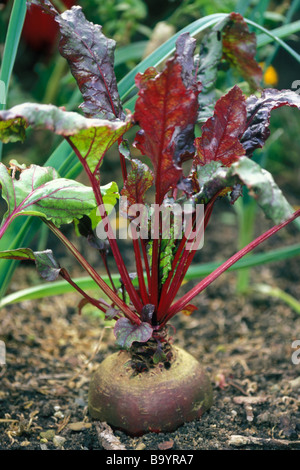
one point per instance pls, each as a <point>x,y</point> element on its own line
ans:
<point>168,195</point>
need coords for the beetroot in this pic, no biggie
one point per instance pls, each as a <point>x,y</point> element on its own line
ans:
<point>155,400</point>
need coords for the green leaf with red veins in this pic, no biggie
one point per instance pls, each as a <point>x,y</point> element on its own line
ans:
<point>165,110</point>
<point>40,192</point>
<point>46,265</point>
<point>239,49</point>
<point>220,139</point>
<point>138,181</point>
<point>127,333</point>
<point>90,55</point>
<point>259,113</point>
<point>91,137</point>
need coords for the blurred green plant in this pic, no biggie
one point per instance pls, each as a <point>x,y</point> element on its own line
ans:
<point>121,19</point>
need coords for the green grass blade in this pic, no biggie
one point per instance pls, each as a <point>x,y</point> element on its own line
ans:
<point>13,35</point>
<point>194,273</point>
<point>48,289</point>
<point>287,23</point>
<point>280,32</point>
<point>275,35</point>
<point>242,6</point>
<point>133,51</point>
<point>278,294</point>
<point>258,12</point>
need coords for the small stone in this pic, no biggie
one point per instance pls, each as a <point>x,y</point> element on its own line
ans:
<point>59,441</point>
<point>238,441</point>
<point>59,414</point>
<point>43,447</point>
<point>49,434</point>
<point>79,426</point>
<point>267,418</point>
<point>166,445</point>
<point>25,443</point>
<point>140,446</point>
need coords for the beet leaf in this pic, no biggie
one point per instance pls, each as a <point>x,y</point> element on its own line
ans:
<point>220,139</point>
<point>166,111</point>
<point>138,181</point>
<point>259,112</point>
<point>90,55</point>
<point>46,265</point>
<point>91,137</point>
<point>127,333</point>
<point>245,172</point>
<point>239,49</point>
<point>39,191</point>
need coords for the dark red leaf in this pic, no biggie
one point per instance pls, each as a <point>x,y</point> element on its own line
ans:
<point>166,111</point>
<point>221,133</point>
<point>258,115</point>
<point>90,55</point>
<point>239,49</point>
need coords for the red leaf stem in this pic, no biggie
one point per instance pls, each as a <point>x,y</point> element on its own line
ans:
<point>94,275</point>
<point>140,273</point>
<point>65,275</point>
<point>110,235</point>
<point>180,304</point>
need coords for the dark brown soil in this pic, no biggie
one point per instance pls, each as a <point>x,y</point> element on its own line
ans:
<point>243,341</point>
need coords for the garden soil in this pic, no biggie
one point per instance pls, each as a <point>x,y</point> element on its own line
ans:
<point>244,342</point>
